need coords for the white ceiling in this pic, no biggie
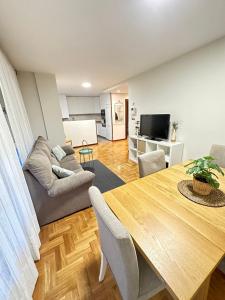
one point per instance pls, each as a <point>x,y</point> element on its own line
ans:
<point>104,41</point>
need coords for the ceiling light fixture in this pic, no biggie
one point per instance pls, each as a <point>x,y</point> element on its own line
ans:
<point>86,84</point>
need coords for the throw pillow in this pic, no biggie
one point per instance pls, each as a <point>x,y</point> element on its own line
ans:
<point>40,166</point>
<point>58,152</point>
<point>61,172</point>
<point>68,149</point>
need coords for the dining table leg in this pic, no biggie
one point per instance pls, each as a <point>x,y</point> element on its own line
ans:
<point>202,293</point>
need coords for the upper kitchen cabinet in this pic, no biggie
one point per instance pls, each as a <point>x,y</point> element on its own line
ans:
<point>83,105</point>
<point>105,99</point>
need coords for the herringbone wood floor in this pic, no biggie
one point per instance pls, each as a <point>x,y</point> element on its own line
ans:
<point>70,259</point>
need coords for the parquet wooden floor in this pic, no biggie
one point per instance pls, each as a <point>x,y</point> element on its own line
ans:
<point>115,156</point>
<point>70,258</point>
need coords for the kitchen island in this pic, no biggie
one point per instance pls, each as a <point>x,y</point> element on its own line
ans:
<point>77,131</point>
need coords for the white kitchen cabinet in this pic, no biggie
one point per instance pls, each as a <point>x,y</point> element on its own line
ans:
<point>99,128</point>
<point>108,115</point>
<point>109,133</point>
<point>105,99</point>
<point>105,103</point>
<point>101,131</point>
<point>83,105</point>
<point>97,106</point>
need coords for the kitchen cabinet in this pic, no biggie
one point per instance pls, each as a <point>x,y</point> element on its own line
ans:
<point>101,131</point>
<point>105,99</point>
<point>105,104</point>
<point>99,127</point>
<point>109,133</point>
<point>83,105</point>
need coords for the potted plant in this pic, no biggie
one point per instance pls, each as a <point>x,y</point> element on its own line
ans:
<point>174,130</point>
<point>204,179</point>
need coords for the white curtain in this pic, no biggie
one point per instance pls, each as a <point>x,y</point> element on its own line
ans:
<point>15,108</point>
<point>19,241</point>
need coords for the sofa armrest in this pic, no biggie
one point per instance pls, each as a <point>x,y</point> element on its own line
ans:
<point>68,149</point>
<point>70,183</point>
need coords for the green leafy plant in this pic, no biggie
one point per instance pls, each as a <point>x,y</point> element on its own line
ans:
<point>202,168</point>
<point>175,125</point>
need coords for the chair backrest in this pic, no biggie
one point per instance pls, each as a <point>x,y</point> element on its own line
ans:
<point>218,152</point>
<point>117,247</point>
<point>151,162</point>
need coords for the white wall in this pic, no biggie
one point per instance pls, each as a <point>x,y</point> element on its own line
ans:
<point>64,106</point>
<point>32,103</point>
<point>192,89</point>
<point>49,99</point>
<point>83,105</point>
<point>41,100</point>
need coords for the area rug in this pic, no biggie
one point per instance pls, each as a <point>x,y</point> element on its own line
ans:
<point>105,179</point>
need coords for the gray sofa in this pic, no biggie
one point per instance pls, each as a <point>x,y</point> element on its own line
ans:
<point>55,198</point>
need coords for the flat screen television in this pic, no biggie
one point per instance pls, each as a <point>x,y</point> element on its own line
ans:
<point>155,127</point>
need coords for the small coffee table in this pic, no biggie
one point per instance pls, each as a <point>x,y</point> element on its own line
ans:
<point>86,151</point>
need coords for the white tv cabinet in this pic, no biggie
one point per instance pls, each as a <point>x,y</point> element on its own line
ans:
<point>139,145</point>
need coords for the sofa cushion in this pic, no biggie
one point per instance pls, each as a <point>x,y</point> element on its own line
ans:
<point>40,167</point>
<point>71,164</point>
<point>67,158</point>
<point>54,161</point>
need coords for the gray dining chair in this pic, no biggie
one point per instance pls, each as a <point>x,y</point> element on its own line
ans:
<point>135,279</point>
<point>218,152</point>
<point>151,162</point>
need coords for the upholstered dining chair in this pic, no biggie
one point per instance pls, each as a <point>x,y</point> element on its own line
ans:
<point>151,162</point>
<point>135,279</point>
<point>218,152</point>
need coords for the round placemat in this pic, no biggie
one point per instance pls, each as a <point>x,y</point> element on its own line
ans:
<point>215,199</point>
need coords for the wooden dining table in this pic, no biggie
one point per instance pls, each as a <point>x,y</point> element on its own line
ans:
<point>181,240</point>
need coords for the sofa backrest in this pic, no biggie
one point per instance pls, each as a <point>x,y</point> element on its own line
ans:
<point>39,163</point>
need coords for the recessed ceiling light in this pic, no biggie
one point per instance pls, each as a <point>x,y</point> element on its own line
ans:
<point>86,84</point>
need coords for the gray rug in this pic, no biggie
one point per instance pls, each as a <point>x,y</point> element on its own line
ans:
<point>105,179</point>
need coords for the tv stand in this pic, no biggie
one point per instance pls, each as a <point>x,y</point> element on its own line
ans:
<point>139,145</point>
<point>155,139</point>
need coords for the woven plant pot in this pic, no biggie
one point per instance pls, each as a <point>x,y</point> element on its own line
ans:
<point>201,188</point>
